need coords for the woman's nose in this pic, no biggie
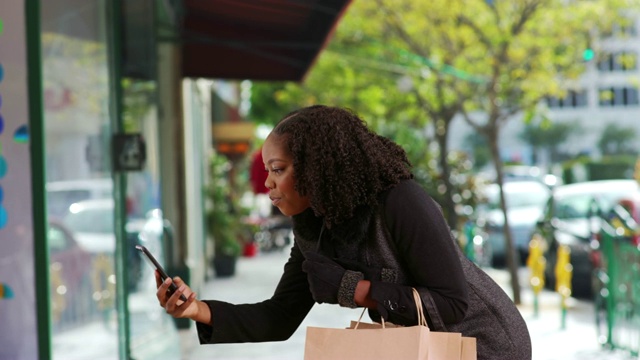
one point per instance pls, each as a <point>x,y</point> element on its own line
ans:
<point>268,183</point>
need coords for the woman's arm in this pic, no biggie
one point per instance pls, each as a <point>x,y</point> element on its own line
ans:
<point>425,246</point>
<point>363,295</point>
<point>274,319</point>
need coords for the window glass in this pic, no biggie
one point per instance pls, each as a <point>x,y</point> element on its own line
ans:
<point>75,72</point>
<point>153,333</point>
<point>57,240</point>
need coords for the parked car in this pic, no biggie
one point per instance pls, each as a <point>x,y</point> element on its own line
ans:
<point>627,213</point>
<point>61,194</point>
<point>92,223</point>
<point>573,217</point>
<point>525,201</point>
<point>530,173</point>
<point>69,269</point>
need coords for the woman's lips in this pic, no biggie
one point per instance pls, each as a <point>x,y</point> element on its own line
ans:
<point>274,201</point>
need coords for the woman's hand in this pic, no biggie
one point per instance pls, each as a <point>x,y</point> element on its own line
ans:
<point>191,309</point>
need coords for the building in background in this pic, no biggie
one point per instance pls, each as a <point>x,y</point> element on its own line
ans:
<point>607,95</point>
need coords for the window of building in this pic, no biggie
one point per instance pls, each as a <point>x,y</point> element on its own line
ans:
<point>622,30</point>
<point>618,96</point>
<point>620,61</point>
<point>626,29</point>
<point>573,99</point>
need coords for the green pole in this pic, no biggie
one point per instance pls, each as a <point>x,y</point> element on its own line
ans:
<point>612,270</point>
<point>114,31</point>
<point>37,149</point>
<point>563,322</point>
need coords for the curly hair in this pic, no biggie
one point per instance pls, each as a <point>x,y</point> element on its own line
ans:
<point>338,162</point>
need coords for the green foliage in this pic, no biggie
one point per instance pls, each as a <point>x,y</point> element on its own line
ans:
<point>477,144</point>
<point>138,100</point>
<point>545,134</point>
<point>223,218</point>
<point>584,168</point>
<point>617,140</point>
<point>417,63</point>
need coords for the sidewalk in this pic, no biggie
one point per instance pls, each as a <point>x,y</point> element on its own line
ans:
<point>256,278</point>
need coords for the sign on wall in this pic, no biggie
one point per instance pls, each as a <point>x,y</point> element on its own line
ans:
<point>18,325</point>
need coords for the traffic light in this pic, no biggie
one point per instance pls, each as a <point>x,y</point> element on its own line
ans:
<point>588,54</point>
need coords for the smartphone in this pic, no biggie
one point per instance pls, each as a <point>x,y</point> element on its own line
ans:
<point>152,260</point>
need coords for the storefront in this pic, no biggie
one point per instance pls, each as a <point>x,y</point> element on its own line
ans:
<point>104,135</point>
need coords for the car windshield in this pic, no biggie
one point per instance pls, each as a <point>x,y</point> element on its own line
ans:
<point>573,207</point>
<point>583,205</point>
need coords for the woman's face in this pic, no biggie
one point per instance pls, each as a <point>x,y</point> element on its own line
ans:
<point>279,164</point>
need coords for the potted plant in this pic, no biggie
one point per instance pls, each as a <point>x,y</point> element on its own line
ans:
<point>224,220</point>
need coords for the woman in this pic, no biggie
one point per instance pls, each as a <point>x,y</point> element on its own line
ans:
<point>365,235</point>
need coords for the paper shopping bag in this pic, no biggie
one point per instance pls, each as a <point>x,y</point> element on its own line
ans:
<point>383,341</point>
<point>469,351</point>
<point>375,344</point>
<point>442,345</point>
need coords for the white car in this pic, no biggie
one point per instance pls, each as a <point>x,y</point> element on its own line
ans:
<point>92,224</point>
<point>61,194</point>
<point>525,202</point>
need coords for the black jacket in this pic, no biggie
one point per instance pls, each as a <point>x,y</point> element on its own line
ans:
<point>404,243</point>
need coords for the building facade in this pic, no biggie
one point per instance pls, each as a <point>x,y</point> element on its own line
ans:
<point>606,94</point>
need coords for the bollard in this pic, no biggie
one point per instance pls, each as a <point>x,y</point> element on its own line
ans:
<point>536,264</point>
<point>564,270</point>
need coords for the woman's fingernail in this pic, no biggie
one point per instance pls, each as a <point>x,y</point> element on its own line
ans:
<point>181,288</point>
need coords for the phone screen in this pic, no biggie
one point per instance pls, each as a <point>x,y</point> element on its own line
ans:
<point>152,260</point>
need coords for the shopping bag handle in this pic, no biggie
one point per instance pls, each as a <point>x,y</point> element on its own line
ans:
<point>419,309</point>
<point>360,319</point>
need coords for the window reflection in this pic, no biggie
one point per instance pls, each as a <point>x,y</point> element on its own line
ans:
<point>76,119</point>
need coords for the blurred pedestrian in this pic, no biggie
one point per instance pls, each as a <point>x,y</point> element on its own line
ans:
<point>366,234</point>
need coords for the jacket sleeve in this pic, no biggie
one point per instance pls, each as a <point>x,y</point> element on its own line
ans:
<point>275,319</point>
<point>427,250</point>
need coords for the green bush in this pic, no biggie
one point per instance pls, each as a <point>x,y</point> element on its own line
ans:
<point>224,220</point>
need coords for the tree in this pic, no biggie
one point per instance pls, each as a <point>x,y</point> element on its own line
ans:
<point>550,136</point>
<point>530,47</point>
<point>617,140</point>
<point>366,68</point>
<point>485,60</point>
<point>477,145</point>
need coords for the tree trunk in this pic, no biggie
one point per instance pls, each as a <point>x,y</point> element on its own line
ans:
<point>445,171</point>
<point>510,254</point>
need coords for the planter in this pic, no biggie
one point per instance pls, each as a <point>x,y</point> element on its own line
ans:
<point>250,249</point>
<point>224,265</point>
